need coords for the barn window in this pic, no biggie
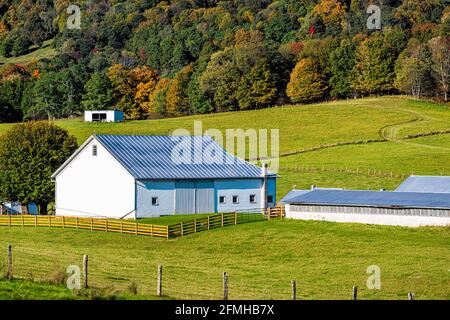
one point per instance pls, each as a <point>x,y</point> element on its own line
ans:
<point>235,199</point>
<point>269,199</point>
<point>222,199</point>
<point>94,150</point>
<point>253,198</point>
<point>155,201</point>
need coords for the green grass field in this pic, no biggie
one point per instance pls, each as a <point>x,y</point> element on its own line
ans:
<point>312,126</point>
<point>326,259</point>
<point>34,54</point>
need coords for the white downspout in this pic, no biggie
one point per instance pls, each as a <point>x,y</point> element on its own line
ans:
<point>264,187</point>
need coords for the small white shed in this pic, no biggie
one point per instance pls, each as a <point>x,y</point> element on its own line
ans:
<point>103,116</point>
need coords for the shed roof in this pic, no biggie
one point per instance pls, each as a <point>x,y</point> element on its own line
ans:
<point>428,184</point>
<point>374,199</point>
<point>292,194</point>
<point>169,157</point>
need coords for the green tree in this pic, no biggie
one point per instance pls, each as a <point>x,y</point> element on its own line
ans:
<point>29,154</point>
<point>341,63</point>
<point>98,92</point>
<point>374,70</point>
<point>306,82</point>
<point>257,88</point>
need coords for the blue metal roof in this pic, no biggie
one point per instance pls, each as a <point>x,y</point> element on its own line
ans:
<point>374,198</point>
<point>292,194</point>
<point>168,157</point>
<point>429,184</point>
<point>295,192</point>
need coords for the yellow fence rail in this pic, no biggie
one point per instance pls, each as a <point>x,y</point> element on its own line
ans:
<point>129,227</point>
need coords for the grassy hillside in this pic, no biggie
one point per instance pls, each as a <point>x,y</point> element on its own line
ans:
<point>33,55</point>
<point>326,259</point>
<point>326,128</point>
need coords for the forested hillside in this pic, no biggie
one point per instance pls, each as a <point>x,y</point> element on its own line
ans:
<point>172,58</point>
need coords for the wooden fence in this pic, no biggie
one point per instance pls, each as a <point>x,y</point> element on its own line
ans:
<point>93,224</point>
<point>129,227</point>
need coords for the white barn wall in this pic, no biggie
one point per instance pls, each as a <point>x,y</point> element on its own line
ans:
<point>164,190</point>
<point>240,187</point>
<point>381,219</point>
<point>95,186</point>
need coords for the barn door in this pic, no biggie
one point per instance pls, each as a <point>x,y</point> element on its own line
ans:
<point>204,197</point>
<point>184,197</point>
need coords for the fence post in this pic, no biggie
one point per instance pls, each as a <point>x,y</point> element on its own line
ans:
<point>76,221</point>
<point>63,222</point>
<point>168,233</point>
<point>222,219</point>
<point>35,221</point>
<point>121,226</point>
<point>9,272</point>
<point>49,221</point>
<point>136,228</point>
<point>195,225</point>
<point>208,222</point>
<point>159,282</point>
<point>411,296</point>
<point>235,218</point>
<point>85,270</point>
<point>269,212</point>
<point>106,225</point>
<point>22,220</point>
<point>355,293</point>
<point>225,286</point>
<point>294,289</point>
<point>9,215</point>
<point>92,224</point>
<point>182,228</point>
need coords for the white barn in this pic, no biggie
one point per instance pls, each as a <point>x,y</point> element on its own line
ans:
<point>142,176</point>
<point>419,201</point>
<point>103,116</point>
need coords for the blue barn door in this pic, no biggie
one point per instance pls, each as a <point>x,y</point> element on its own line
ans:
<point>184,197</point>
<point>194,197</point>
<point>204,197</point>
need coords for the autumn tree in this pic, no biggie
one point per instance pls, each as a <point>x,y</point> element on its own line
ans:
<point>257,88</point>
<point>332,14</point>
<point>306,82</point>
<point>413,70</point>
<point>440,56</point>
<point>374,70</point>
<point>131,88</point>
<point>177,99</point>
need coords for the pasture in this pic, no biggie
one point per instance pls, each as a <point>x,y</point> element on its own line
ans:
<point>326,259</point>
<point>328,142</point>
